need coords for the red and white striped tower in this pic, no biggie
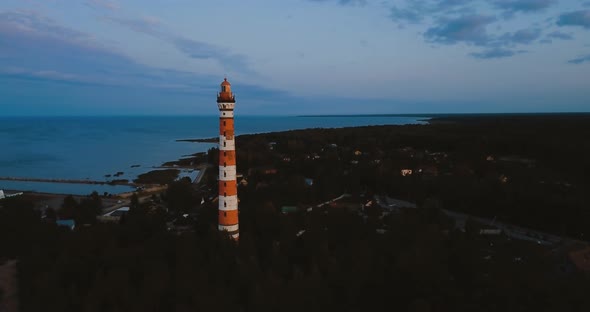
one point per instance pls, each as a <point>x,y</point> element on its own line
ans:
<point>228,189</point>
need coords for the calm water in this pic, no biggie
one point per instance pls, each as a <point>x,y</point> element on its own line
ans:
<point>92,147</point>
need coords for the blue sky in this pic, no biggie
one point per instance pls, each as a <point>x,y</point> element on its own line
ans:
<point>106,57</point>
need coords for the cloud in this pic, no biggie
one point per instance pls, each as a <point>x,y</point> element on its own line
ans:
<point>580,60</point>
<point>345,2</point>
<point>353,2</point>
<point>104,4</point>
<point>409,15</point>
<point>54,75</point>
<point>414,12</point>
<point>454,22</point>
<point>196,49</point>
<point>523,36</point>
<point>38,48</point>
<point>49,74</point>
<point>522,6</point>
<point>495,53</point>
<point>575,18</point>
<point>32,23</point>
<point>147,24</point>
<point>457,21</point>
<point>190,47</point>
<point>471,29</point>
<point>560,35</point>
<point>74,71</point>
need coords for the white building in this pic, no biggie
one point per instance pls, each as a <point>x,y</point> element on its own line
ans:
<point>406,172</point>
<point>3,195</point>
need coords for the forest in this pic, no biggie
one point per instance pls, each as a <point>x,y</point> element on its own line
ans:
<point>526,170</point>
<point>530,170</point>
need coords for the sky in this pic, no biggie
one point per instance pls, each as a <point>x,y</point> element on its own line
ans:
<point>288,57</point>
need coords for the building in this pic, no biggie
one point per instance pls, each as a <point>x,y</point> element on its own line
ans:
<point>289,209</point>
<point>581,259</point>
<point>4,195</point>
<point>406,172</point>
<point>228,189</point>
<point>262,170</point>
<point>67,223</point>
<point>428,171</point>
<point>114,216</point>
<point>572,257</point>
<point>8,285</point>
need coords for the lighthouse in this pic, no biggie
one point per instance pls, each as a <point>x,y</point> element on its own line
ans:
<point>228,190</point>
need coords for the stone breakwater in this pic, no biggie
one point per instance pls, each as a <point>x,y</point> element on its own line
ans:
<point>119,182</point>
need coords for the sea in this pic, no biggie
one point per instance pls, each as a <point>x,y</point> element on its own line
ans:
<point>90,148</point>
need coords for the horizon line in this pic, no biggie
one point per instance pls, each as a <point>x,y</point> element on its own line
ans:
<point>312,115</point>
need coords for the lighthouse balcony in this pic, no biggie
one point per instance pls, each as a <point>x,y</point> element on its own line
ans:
<point>225,98</point>
<point>226,105</point>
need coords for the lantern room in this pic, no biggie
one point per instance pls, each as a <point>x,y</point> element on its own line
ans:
<point>225,95</point>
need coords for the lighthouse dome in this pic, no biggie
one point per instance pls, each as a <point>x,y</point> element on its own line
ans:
<point>225,95</point>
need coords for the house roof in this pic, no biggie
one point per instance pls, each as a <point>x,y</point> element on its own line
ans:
<point>581,259</point>
<point>288,209</point>
<point>119,212</point>
<point>67,223</point>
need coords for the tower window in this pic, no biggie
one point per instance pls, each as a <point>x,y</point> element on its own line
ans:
<point>224,164</point>
<point>225,174</point>
<point>224,204</point>
<point>224,153</point>
<point>224,122</point>
<point>224,183</point>
<point>224,194</point>
<point>223,143</point>
<point>225,214</point>
<point>223,133</point>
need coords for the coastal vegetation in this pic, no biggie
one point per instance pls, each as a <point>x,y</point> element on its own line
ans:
<point>163,176</point>
<point>209,140</point>
<point>191,160</point>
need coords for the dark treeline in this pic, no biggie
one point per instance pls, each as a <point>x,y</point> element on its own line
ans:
<point>536,176</point>
<point>329,258</point>
<point>340,263</point>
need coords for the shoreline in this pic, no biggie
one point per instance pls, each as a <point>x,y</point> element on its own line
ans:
<point>197,161</point>
<point>28,180</point>
<point>145,187</point>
